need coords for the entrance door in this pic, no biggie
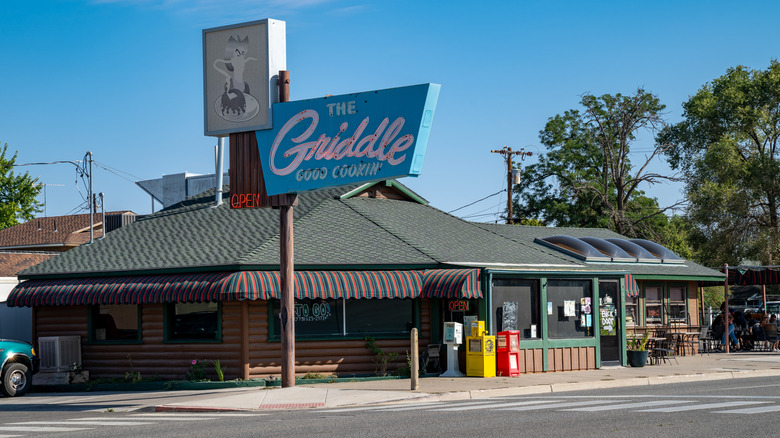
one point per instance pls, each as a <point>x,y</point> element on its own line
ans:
<point>610,318</point>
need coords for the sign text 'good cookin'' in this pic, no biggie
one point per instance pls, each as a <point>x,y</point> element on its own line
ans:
<point>347,139</point>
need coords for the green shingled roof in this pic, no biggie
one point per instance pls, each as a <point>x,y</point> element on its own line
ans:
<point>331,231</point>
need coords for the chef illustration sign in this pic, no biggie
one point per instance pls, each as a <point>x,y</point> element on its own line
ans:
<point>241,63</point>
<point>347,139</point>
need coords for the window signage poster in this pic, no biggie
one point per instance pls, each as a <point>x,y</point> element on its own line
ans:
<point>241,64</point>
<point>347,139</point>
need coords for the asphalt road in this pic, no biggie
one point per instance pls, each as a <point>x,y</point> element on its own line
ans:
<point>737,407</point>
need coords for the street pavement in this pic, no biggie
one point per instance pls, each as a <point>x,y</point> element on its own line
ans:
<point>695,368</point>
<point>717,366</point>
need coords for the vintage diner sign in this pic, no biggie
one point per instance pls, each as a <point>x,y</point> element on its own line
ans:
<point>347,139</point>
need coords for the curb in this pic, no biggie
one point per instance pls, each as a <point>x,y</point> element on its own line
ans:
<point>194,409</point>
<point>582,386</point>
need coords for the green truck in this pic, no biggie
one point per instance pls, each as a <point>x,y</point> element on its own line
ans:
<point>18,363</point>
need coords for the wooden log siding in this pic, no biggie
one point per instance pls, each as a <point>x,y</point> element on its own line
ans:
<point>571,359</point>
<point>154,358</point>
<point>342,357</point>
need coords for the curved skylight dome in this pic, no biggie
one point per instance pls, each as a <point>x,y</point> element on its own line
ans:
<point>574,247</point>
<point>659,251</point>
<point>593,249</point>
<point>616,253</point>
<point>642,255</point>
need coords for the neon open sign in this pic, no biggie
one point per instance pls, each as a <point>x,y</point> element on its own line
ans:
<point>348,139</point>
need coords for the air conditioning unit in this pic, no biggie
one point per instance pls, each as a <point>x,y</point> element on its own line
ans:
<point>59,353</point>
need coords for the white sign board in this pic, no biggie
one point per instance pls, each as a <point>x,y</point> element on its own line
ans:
<point>241,64</point>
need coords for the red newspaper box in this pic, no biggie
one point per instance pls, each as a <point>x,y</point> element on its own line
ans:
<point>508,353</point>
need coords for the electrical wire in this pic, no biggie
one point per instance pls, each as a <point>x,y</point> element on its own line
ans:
<point>114,169</point>
<point>478,200</point>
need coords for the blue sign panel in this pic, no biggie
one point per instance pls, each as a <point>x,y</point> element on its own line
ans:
<point>348,139</point>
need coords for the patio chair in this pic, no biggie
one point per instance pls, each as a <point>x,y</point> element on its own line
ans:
<point>667,349</point>
<point>706,342</point>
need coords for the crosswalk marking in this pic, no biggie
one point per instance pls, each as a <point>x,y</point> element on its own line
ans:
<point>41,429</point>
<point>704,406</point>
<point>395,408</point>
<point>756,410</point>
<point>494,405</point>
<point>562,404</point>
<point>628,405</point>
<point>86,423</point>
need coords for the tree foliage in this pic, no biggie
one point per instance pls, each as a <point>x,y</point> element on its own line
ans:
<point>18,193</point>
<point>586,178</point>
<point>727,147</point>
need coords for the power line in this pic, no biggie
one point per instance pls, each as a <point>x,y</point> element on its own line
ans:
<point>478,200</point>
<point>114,169</point>
<point>108,169</point>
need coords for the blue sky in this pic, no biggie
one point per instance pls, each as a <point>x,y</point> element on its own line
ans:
<point>123,78</point>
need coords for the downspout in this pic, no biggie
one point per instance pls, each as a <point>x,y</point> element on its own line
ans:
<point>102,215</point>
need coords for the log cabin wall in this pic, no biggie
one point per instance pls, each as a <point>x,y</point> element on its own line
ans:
<point>571,359</point>
<point>341,357</point>
<point>155,358</point>
<point>152,358</point>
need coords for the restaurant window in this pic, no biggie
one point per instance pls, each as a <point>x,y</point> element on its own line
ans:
<point>570,308</point>
<point>115,323</point>
<point>516,306</point>
<point>678,311</point>
<point>323,318</point>
<point>654,309</point>
<point>631,313</point>
<point>197,322</point>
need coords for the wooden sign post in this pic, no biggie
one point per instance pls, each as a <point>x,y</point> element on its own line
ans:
<point>286,267</point>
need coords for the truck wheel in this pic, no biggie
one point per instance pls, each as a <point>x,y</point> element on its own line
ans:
<point>16,379</point>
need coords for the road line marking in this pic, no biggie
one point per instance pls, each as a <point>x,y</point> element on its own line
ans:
<point>562,404</point>
<point>42,429</point>
<point>390,408</point>
<point>703,406</point>
<point>629,405</point>
<point>88,422</point>
<point>496,405</point>
<point>756,410</point>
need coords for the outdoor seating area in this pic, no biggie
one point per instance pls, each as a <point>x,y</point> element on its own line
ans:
<point>666,343</point>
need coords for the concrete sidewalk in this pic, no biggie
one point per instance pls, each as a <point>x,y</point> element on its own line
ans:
<point>713,367</point>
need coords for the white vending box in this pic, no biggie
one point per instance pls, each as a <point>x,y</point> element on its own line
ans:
<point>453,337</point>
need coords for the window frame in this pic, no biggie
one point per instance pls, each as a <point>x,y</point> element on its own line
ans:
<point>631,303</point>
<point>94,309</point>
<point>169,310</point>
<point>660,304</point>
<point>589,333</point>
<point>273,336</point>
<point>683,303</point>
<point>535,311</point>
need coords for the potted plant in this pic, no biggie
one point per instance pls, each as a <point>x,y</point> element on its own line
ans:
<point>637,350</point>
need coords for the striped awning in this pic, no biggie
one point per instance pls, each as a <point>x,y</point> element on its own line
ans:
<point>452,283</point>
<point>245,285</point>
<point>265,285</point>
<point>748,276</point>
<point>632,290</point>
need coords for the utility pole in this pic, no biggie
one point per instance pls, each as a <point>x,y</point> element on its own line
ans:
<point>509,154</point>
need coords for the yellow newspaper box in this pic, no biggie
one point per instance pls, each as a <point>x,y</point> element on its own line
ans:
<point>480,354</point>
<point>477,328</point>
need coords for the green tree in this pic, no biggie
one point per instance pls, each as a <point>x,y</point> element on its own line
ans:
<point>18,193</point>
<point>726,147</point>
<point>586,178</point>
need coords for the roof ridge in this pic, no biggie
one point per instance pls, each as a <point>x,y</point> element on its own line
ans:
<point>555,254</point>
